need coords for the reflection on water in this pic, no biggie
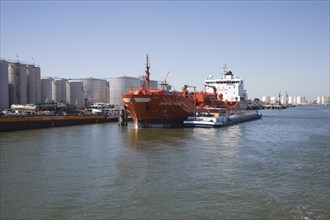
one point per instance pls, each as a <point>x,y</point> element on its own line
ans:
<point>153,137</point>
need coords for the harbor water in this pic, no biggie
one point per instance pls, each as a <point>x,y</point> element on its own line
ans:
<point>273,168</point>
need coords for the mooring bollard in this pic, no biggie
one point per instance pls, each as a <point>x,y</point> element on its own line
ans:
<point>122,117</point>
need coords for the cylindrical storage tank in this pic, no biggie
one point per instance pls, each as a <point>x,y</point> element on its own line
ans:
<point>326,100</point>
<point>107,93</point>
<point>4,89</point>
<point>153,84</point>
<point>301,100</point>
<point>119,86</point>
<point>265,99</point>
<point>95,90</point>
<point>12,83</point>
<point>17,82</point>
<point>295,99</point>
<point>75,94</point>
<point>283,100</point>
<point>22,84</point>
<point>33,85</point>
<point>273,99</point>
<point>291,100</point>
<point>59,90</point>
<point>46,90</point>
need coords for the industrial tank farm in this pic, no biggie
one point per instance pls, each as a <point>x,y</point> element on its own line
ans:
<point>22,84</point>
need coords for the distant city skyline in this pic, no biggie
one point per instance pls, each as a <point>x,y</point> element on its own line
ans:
<point>274,46</point>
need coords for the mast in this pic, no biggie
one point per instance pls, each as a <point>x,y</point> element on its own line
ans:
<point>147,74</point>
<point>279,98</point>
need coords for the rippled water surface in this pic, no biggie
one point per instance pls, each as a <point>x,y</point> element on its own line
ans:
<point>273,168</point>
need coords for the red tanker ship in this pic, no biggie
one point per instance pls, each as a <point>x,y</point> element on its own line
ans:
<point>158,107</point>
<point>163,108</point>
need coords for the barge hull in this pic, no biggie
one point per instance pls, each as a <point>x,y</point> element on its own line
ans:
<point>23,123</point>
<point>214,122</point>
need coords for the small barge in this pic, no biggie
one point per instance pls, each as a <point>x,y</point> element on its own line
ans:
<point>207,120</point>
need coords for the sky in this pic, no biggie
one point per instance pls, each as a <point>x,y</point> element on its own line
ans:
<point>274,46</point>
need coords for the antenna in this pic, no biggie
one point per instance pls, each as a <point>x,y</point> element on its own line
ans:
<point>279,98</point>
<point>224,69</point>
<point>165,80</point>
<point>286,97</point>
<point>147,73</point>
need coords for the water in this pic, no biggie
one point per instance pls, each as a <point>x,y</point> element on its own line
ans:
<point>273,168</point>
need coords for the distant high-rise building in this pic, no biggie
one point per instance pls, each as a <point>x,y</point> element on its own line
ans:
<point>323,100</point>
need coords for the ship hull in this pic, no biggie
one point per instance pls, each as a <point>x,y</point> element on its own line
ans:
<point>159,110</point>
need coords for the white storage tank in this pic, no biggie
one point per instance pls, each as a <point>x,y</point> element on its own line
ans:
<point>12,78</point>
<point>33,85</point>
<point>301,100</point>
<point>95,90</point>
<point>323,100</point>
<point>59,91</point>
<point>273,99</point>
<point>75,94</point>
<point>46,90</point>
<point>292,100</point>
<point>284,100</point>
<point>4,90</point>
<point>265,99</point>
<point>153,84</point>
<point>17,82</point>
<point>119,86</point>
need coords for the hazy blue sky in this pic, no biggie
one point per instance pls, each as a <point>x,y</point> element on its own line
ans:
<point>273,45</point>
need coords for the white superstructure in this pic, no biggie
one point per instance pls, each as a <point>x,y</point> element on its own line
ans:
<point>229,86</point>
